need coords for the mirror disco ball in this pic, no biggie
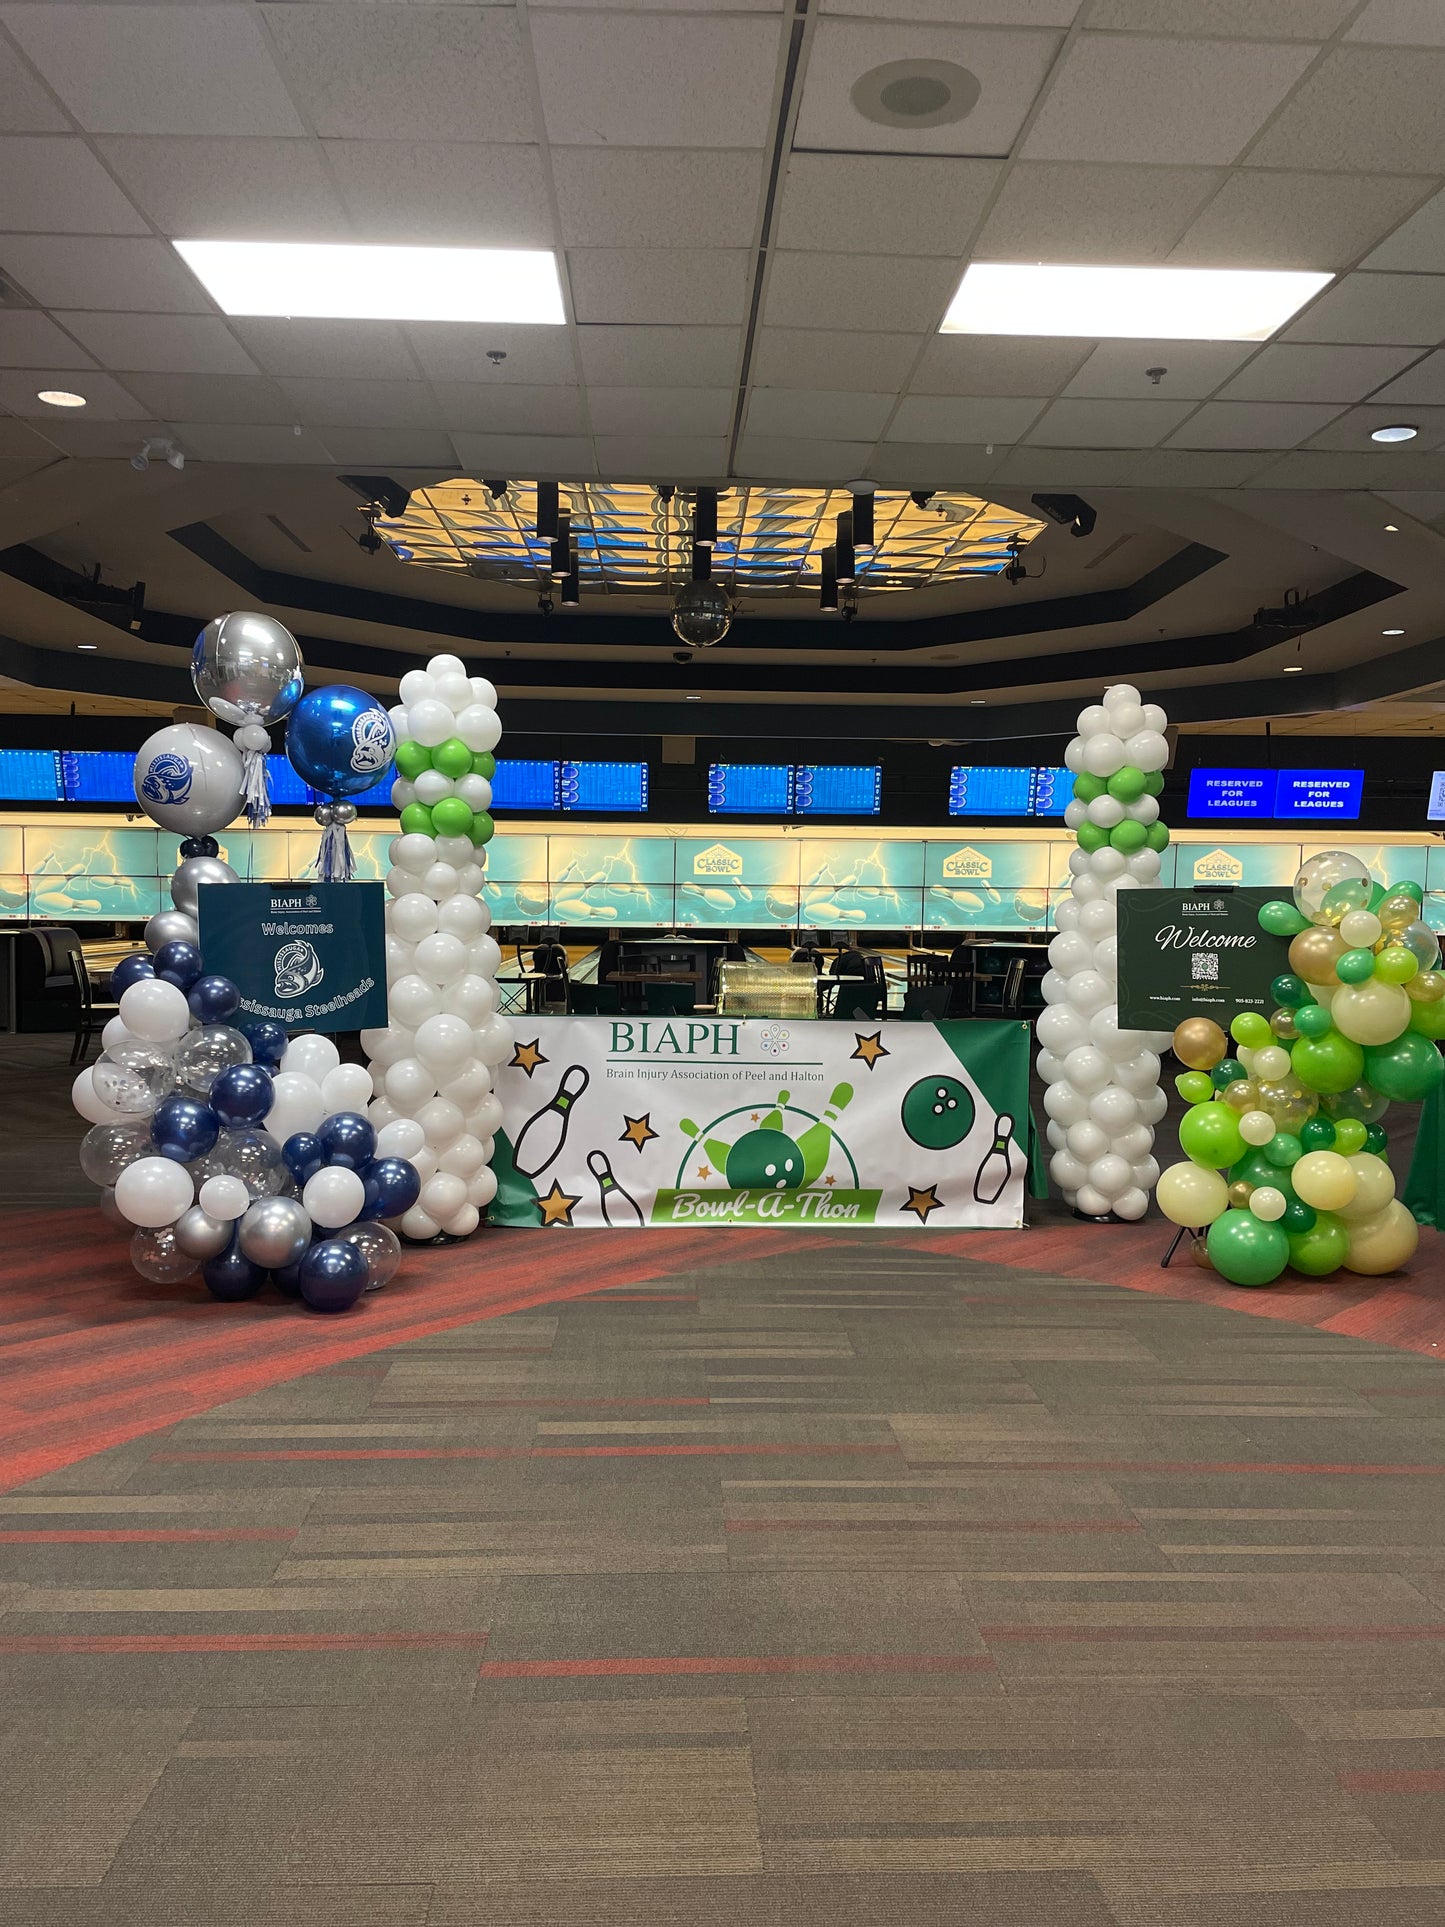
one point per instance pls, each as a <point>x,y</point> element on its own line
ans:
<point>702,614</point>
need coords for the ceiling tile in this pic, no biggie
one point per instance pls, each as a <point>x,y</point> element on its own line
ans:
<point>361,349</point>
<point>23,445</point>
<point>817,413</point>
<point>63,271</point>
<point>1377,308</point>
<point>1320,468</point>
<point>1264,220</point>
<point>636,357</point>
<point>107,400</point>
<point>1075,423</point>
<point>161,344</point>
<point>25,106</point>
<point>95,439</point>
<point>883,203</point>
<point>1289,371</point>
<point>827,358</point>
<point>1418,245</point>
<point>970,13</point>
<point>1057,211</point>
<point>959,418</point>
<point>1173,101</point>
<point>997,365</point>
<point>248,442</point>
<point>158,69</point>
<point>55,185</point>
<point>1424,383</point>
<point>1057,468</point>
<point>1010,67</point>
<point>1366,109</point>
<point>559,457</point>
<point>457,351</point>
<point>1189,370</point>
<point>323,402</point>
<point>934,464</point>
<point>406,73</point>
<point>656,80</point>
<point>1352,430</point>
<point>778,458</point>
<point>392,448</point>
<point>660,411</point>
<point>632,196</point>
<point>648,457</point>
<point>1225,19</point>
<point>212,398</point>
<point>28,337</point>
<point>1252,424</point>
<point>1413,23</point>
<point>274,190</point>
<point>453,194</point>
<point>509,408</point>
<point>681,285</point>
<point>876,292</point>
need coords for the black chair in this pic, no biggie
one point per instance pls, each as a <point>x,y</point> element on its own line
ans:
<point>609,1000</point>
<point>1013,983</point>
<point>93,1017</point>
<point>670,1000</point>
<point>927,1003</point>
<point>582,999</point>
<point>849,963</point>
<point>858,1002</point>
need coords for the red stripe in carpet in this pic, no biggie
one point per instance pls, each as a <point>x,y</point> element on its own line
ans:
<point>804,1450</point>
<point>769,1663</point>
<point>1404,1780</point>
<point>1195,1635</point>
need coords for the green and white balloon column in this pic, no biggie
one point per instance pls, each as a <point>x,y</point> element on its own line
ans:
<point>1103,1098</point>
<point>434,1061</point>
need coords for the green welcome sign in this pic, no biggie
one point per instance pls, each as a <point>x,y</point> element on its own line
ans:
<point>309,955</point>
<point>1194,953</point>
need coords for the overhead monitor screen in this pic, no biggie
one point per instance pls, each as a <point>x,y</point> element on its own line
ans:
<point>619,787</point>
<point>30,776</point>
<point>750,789</point>
<point>837,789</point>
<point>99,776</point>
<point>1231,792</point>
<point>1320,792</point>
<point>523,785</point>
<point>1013,789</point>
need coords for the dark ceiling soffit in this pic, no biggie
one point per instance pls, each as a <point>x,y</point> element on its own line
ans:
<point>95,675</point>
<point>276,588</point>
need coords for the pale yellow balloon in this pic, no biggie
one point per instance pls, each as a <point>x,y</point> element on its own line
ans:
<point>1270,1064</point>
<point>1189,1194</point>
<point>1371,1012</point>
<point>1257,1127</point>
<point>1267,1203</point>
<point>1324,993</point>
<point>1323,1179</point>
<point>1382,1243</point>
<point>1361,929</point>
<point>1374,1187</point>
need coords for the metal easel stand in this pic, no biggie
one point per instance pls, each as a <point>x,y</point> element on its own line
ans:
<point>1184,1231</point>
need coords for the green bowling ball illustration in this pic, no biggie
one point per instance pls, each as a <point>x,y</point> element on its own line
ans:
<point>938,1112</point>
<point>765,1161</point>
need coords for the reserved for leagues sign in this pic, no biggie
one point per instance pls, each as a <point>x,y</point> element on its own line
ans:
<point>310,955</point>
<point>1194,953</point>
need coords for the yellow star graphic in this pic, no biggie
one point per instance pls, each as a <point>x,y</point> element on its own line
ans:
<point>870,1048</point>
<point>756,1116</point>
<point>527,1057</point>
<point>920,1203</point>
<point>638,1130</point>
<point>556,1207</point>
<point>830,1180</point>
<point>704,1170</point>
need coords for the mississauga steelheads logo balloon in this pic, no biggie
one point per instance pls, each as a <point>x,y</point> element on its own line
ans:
<point>373,740</point>
<point>168,778</point>
<point>298,969</point>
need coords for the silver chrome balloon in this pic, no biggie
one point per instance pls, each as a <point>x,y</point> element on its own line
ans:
<point>188,879</point>
<point>200,1235</point>
<point>380,1247</point>
<point>171,926</point>
<point>247,668</point>
<point>274,1232</point>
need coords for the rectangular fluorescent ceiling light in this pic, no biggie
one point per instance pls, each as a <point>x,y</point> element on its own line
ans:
<point>326,282</point>
<point>1128,304</point>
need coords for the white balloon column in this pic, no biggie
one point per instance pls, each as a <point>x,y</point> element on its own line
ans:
<point>434,1061</point>
<point>1103,1098</point>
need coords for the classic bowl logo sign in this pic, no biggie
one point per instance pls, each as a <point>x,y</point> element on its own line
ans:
<point>717,861</point>
<point>690,1121</point>
<point>968,864</point>
<point>1218,866</point>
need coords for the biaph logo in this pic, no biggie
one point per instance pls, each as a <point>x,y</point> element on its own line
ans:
<point>717,861</point>
<point>774,1040</point>
<point>1217,867</point>
<point>168,779</point>
<point>297,968</point>
<point>967,863</point>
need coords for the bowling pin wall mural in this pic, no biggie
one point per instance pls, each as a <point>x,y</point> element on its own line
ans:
<point>434,1062</point>
<point>1103,1097</point>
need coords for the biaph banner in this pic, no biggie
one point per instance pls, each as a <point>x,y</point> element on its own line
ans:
<point>634,1121</point>
<point>310,955</point>
<point>1195,953</point>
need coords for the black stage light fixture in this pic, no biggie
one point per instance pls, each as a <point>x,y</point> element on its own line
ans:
<point>571,596</point>
<point>921,497</point>
<point>562,548</point>
<point>862,521</point>
<point>544,605</point>
<point>1069,511</point>
<point>701,563</point>
<point>495,489</point>
<point>704,518</point>
<point>828,588</point>
<point>548,507</point>
<point>843,545</point>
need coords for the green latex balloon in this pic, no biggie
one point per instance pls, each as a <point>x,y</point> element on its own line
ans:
<point>1290,990</point>
<point>1209,1133</point>
<point>416,818</point>
<point>1408,890</point>
<point>1350,1136</point>
<point>1313,1020</point>
<point>1317,1134</point>
<point>1129,836</point>
<point>1284,1149</point>
<point>1154,783</point>
<point>1195,1087</point>
<point>1127,784</point>
<point>1281,919</point>
<point>452,758</point>
<point>1297,1217</point>
<point>1376,1139</point>
<point>1088,789</point>
<point>1395,964</point>
<point>1246,1250</point>
<point>1091,837</point>
<point>451,817</point>
<point>1251,1030</point>
<point>1378,893</point>
<point>1328,1063</point>
<point>1227,1071</point>
<point>1428,1020</point>
<point>484,764</point>
<point>1320,1250</point>
<point>1255,1168</point>
<point>1157,836</point>
<point>1355,967</point>
<point>1409,1067</point>
<point>411,760</point>
<point>483,828</point>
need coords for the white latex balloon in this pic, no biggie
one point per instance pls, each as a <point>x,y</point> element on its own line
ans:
<point>443,1041</point>
<point>397,713</point>
<point>296,1105</point>
<point>472,996</point>
<point>1152,1105</point>
<point>1090,990</point>
<point>400,957</point>
<point>413,999</point>
<point>1088,1069</point>
<point>431,786</point>
<point>157,1013</point>
<point>1113,1108</point>
<point>92,1108</point>
<point>483,692</point>
<point>1143,864</point>
<point>416,1224</point>
<point>1084,888</point>
<point>441,958</point>
<point>224,1198</point>
<point>1111,1175</point>
<point>1092,1202</point>
<point>443,1195</point>
<point>1061,1028</point>
<point>476,792</point>
<point>442,1121</point>
<point>1097,920</point>
<point>464,1156</point>
<point>1154,719</point>
<point>463,917</point>
<point>312,1055</point>
<point>1070,952</point>
<point>347,1088</point>
<point>445,664</point>
<point>442,880</point>
<point>479,728</point>
<point>1106,957</point>
<point>455,850</point>
<point>461,1224</point>
<point>386,1047</point>
<point>115,1032</point>
<point>402,793</point>
<point>1054,987</point>
<point>1106,863</point>
<point>409,1082</point>
<point>416,686</point>
<point>486,1120</point>
<point>154,1191</point>
<point>1104,754</point>
<point>432,722</point>
<point>416,851</point>
<point>1106,811</point>
<point>333,1197</point>
<point>1088,1140</point>
<point>1093,721</point>
<point>401,883</point>
<point>381,1111</point>
<point>1049,1067</point>
<point>1145,810</point>
<point>470,878</point>
<point>1067,1171</point>
<point>471,1084</point>
<point>1135,1141</point>
<point>1131,1204</point>
<point>454,690</point>
<point>1064,1104</point>
<point>494,1041</point>
<point>1147,750</point>
<point>400,1139</point>
<point>414,916</point>
<point>483,1187</point>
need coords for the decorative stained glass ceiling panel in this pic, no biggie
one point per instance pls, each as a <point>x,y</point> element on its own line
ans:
<point>770,541</point>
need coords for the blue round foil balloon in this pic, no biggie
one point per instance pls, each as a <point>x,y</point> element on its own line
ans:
<point>231,1276</point>
<point>178,963</point>
<point>333,1275</point>
<point>130,970</point>
<point>184,1128</point>
<point>348,1139</point>
<point>392,1186</point>
<point>340,740</point>
<point>242,1094</point>
<point>213,999</point>
<point>304,1155</point>
<point>267,1038</point>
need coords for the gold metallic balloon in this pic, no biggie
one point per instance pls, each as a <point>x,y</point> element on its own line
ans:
<point>1314,953</point>
<point>1397,913</point>
<point>1428,987</point>
<point>1240,1194</point>
<point>1200,1043</point>
<point>1199,1252</point>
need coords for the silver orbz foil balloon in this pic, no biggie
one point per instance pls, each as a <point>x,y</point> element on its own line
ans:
<point>379,1245</point>
<point>200,1235</point>
<point>247,668</point>
<point>274,1232</point>
<point>195,871</point>
<point>107,1149</point>
<point>158,1255</point>
<point>189,780</point>
<point>203,1054</point>
<point>171,926</point>
<point>133,1078</point>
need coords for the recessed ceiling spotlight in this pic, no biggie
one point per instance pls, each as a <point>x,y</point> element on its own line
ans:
<point>977,702</point>
<point>60,398</point>
<point>1139,304</point>
<point>338,281</point>
<point>87,645</point>
<point>1392,632</point>
<point>1392,528</point>
<point>692,699</point>
<point>1293,669</point>
<point>1395,432</point>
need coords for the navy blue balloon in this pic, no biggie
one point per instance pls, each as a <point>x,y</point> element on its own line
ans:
<point>199,846</point>
<point>304,1155</point>
<point>340,740</point>
<point>242,1094</point>
<point>178,963</point>
<point>348,1139</point>
<point>333,1275</point>
<point>267,1038</point>
<point>288,1279</point>
<point>392,1186</point>
<point>184,1128</point>
<point>213,999</point>
<point>231,1276</point>
<point>130,970</point>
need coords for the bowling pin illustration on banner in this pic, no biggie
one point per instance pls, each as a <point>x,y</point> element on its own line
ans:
<point>618,1206</point>
<point>540,1140</point>
<point>995,1169</point>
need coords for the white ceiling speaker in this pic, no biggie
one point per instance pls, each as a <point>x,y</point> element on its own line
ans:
<point>916,93</point>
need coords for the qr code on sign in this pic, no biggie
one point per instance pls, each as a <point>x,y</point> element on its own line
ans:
<point>1204,967</point>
